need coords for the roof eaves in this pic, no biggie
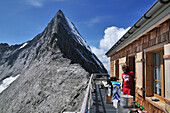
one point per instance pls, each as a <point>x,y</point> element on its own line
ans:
<point>138,24</point>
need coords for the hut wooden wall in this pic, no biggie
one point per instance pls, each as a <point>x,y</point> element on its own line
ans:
<point>158,36</point>
<point>112,67</point>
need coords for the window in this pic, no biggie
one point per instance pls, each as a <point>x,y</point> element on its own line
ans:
<point>158,74</point>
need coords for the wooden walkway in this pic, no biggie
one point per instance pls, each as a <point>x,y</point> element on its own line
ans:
<point>99,103</point>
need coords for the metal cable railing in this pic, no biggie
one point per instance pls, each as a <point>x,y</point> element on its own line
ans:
<point>86,106</point>
<point>86,103</point>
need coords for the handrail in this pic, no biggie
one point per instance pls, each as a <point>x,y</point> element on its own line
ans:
<point>86,102</point>
<point>86,105</point>
<point>86,98</point>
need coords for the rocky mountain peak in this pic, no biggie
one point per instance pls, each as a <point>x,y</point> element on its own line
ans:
<point>60,13</point>
<point>49,73</point>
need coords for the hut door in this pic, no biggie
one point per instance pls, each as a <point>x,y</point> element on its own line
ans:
<point>117,69</point>
<point>132,63</point>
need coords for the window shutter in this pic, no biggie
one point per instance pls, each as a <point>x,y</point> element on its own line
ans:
<point>167,70</point>
<point>121,61</point>
<point>139,74</point>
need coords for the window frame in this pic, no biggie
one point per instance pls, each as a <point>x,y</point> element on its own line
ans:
<point>162,76</point>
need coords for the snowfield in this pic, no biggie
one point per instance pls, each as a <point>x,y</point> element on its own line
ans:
<point>6,82</point>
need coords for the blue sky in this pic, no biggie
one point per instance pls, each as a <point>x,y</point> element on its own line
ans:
<point>21,20</point>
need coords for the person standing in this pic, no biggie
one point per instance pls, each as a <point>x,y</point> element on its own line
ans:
<point>128,79</point>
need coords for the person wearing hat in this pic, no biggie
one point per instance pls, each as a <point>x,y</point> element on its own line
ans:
<point>128,78</point>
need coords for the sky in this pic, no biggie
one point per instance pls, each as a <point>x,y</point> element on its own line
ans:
<point>100,22</point>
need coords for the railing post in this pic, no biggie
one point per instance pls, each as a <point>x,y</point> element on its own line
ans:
<point>86,98</point>
<point>86,105</point>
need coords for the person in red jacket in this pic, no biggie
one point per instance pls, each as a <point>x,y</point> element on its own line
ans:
<point>128,78</point>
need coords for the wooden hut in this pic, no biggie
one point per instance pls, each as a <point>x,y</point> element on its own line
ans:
<point>145,47</point>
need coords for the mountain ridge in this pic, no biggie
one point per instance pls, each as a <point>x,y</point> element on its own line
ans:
<point>52,70</point>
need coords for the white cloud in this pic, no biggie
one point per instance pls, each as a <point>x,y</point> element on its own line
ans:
<point>93,21</point>
<point>111,36</point>
<point>36,3</point>
<point>100,53</point>
<point>40,3</point>
<point>58,0</point>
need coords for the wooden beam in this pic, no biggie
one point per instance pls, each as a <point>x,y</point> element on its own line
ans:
<point>167,100</point>
<point>155,104</point>
<point>138,60</point>
<point>132,54</point>
<point>157,47</point>
<point>166,56</point>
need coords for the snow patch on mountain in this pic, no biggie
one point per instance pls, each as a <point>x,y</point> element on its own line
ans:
<point>23,45</point>
<point>6,82</point>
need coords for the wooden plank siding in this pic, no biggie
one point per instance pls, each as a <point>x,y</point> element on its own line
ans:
<point>112,67</point>
<point>158,35</point>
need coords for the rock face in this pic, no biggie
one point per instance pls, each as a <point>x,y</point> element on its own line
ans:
<point>53,70</point>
